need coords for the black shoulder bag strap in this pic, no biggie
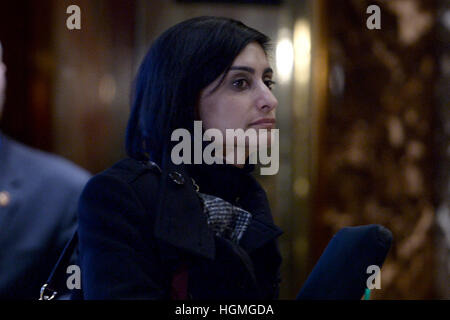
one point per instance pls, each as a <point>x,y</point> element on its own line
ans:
<point>48,290</point>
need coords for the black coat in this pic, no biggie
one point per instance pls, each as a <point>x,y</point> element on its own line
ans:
<point>132,240</point>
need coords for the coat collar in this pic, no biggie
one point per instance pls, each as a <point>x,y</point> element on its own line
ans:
<point>179,220</point>
<point>181,223</point>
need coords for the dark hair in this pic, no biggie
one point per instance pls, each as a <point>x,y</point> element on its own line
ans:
<point>180,63</point>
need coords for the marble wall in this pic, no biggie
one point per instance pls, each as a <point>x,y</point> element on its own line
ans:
<point>378,148</point>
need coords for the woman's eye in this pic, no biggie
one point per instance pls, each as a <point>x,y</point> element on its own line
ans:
<point>241,84</point>
<point>269,84</point>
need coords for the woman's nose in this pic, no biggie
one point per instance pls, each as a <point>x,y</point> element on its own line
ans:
<point>266,100</point>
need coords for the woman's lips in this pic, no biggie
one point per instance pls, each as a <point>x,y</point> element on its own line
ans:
<point>264,123</point>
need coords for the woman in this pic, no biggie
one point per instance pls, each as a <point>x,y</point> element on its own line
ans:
<point>152,229</point>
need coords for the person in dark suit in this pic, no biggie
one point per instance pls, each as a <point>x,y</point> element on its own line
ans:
<point>38,199</point>
<point>153,229</point>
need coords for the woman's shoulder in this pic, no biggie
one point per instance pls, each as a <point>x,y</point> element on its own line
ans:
<point>128,178</point>
<point>129,170</point>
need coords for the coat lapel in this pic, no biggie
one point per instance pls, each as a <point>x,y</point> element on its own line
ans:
<point>181,223</point>
<point>179,219</point>
<point>259,232</point>
<point>262,228</point>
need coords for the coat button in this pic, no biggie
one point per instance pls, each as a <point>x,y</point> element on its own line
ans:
<point>176,177</point>
<point>4,198</point>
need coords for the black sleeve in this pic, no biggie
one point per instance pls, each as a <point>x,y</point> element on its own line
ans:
<point>118,255</point>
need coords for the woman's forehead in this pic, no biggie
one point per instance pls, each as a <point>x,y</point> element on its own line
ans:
<point>252,56</point>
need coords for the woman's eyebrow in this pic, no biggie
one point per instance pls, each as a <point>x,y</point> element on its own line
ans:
<point>250,70</point>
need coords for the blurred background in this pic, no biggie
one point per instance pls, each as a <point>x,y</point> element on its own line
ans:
<point>364,115</point>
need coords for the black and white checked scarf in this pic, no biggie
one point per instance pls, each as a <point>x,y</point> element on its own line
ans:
<point>225,219</point>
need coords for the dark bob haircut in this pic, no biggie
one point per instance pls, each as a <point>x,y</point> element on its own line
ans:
<point>180,63</point>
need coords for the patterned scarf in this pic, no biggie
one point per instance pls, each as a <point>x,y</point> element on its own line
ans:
<point>225,219</point>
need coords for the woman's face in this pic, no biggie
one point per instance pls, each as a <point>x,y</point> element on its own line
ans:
<point>244,99</point>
